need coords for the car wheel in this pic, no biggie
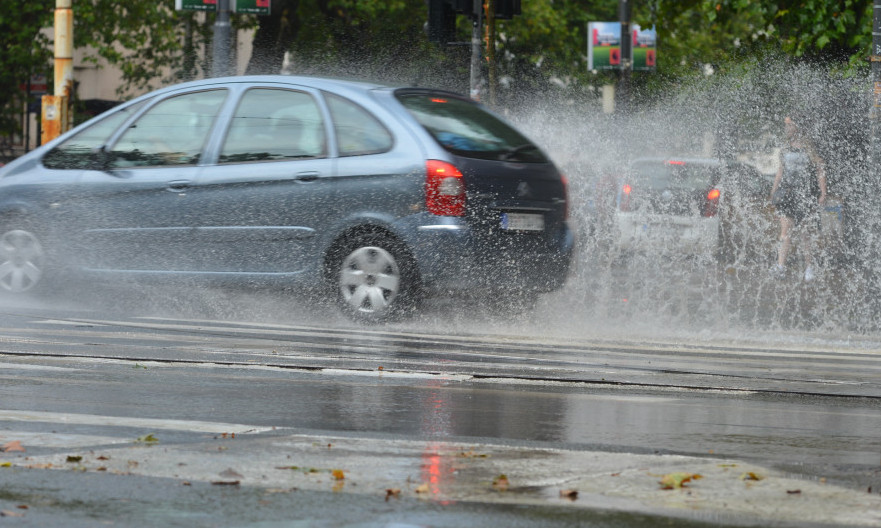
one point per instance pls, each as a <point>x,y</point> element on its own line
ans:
<point>376,279</point>
<point>22,260</point>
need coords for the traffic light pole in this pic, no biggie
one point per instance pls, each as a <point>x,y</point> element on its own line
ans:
<point>220,49</point>
<point>476,76</point>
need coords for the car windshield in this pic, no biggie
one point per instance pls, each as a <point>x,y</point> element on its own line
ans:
<point>465,129</point>
<point>674,175</point>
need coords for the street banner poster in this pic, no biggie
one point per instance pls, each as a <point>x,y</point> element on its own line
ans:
<point>603,45</point>
<point>644,49</point>
<point>195,5</point>
<point>252,7</point>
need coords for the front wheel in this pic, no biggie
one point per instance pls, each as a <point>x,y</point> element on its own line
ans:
<point>376,279</point>
<point>22,260</point>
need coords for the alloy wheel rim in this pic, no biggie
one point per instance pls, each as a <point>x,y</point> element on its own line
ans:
<point>21,261</point>
<point>370,280</point>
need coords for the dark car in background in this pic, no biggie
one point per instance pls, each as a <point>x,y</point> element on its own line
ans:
<point>384,194</point>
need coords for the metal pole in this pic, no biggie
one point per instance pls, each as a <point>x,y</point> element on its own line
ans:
<point>220,67</point>
<point>56,108</point>
<point>476,30</point>
<point>63,47</point>
<point>625,8</point>
<point>491,49</point>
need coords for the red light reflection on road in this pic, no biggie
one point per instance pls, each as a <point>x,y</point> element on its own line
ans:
<point>438,457</point>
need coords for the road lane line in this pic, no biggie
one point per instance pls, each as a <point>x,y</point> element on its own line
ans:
<point>194,426</point>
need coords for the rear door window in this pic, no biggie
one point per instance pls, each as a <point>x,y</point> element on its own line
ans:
<point>466,129</point>
<point>272,124</point>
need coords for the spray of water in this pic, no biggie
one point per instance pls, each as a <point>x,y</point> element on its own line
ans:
<point>734,116</point>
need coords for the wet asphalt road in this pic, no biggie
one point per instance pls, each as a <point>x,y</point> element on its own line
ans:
<point>78,381</point>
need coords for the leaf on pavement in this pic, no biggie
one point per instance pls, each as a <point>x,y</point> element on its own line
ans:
<point>501,483</point>
<point>677,480</point>
<point>10,513</point>
<point>422,489</point>
<point>338,474</point>
<point>14,445</point>
<point>570,494</point>
<point>472,454</point>
<point>750,475</point>
<point>225,482</point>
<point>72,458</point>
<point>392,492</point>
<point>147,439</point>
<point>231,474</point>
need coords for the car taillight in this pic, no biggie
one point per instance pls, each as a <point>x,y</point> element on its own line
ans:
<point>711,206</point>
<point>444,189</point>
<point>624,202</point>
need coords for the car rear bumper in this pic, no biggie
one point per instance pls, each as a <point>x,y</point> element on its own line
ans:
<point>454,256</point>
<point>666,233</point>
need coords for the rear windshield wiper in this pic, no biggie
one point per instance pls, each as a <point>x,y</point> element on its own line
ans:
<point>511,152</point>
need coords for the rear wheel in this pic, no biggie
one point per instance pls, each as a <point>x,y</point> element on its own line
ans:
<point>22,259</point>
<point>376,279</point>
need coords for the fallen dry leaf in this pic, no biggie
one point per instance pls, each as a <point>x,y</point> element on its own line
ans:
<point>147,439</point>
<point>392,492</point>
<point>231,473</point>
<point>422,489</point>
<point>501,483</point>
<point>5,464</point>
<point>570,494</point>
<point>793,492</point>
<point>338,474</point>
<point>472,454</point>
<point>749,475</point>
<point>677,480</point>
<point>225,482</point>
<point>14,445</point>
<point>72,458</point>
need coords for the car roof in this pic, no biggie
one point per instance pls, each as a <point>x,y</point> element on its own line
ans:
<point>320,83</point>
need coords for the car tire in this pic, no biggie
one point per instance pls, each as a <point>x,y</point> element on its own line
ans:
<point>22,259</point>
<point>376,279</point>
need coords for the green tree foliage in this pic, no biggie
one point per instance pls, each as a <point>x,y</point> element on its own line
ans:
<point>25,52</point>
<point>544,48</point>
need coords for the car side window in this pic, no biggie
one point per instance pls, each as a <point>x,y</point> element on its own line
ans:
<point>273,124</point>
<point>77,152</point>
<point>173,132</point>
<point>357,131</point>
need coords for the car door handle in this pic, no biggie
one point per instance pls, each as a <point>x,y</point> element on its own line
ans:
<point>178,186</point>
<point>306,176</point>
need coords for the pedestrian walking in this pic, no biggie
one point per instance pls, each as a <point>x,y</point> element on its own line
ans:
<point>798,194</point>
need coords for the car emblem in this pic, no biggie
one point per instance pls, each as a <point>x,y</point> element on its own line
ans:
<point>524,190</point>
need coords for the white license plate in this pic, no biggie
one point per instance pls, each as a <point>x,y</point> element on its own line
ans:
<point>523,222</point>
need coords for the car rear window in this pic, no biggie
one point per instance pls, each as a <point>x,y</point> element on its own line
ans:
<point>466,129</point>
<point>674,175</point>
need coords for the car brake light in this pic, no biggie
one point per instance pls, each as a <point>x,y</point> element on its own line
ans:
<point>624,202</point>
<point>711,207</point>
<point>444,189</point>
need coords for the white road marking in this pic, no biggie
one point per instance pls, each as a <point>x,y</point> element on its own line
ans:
<point>124,421</point>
